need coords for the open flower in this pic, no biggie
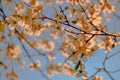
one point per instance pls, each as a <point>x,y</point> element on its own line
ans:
<point>34,65</point>
<point>97,78</point>
<point>68,70</point>
<point>13,51</point>
<point>51,57</point>
<point>45,45</point>
<point>12,75</point>
<point>81,73</point>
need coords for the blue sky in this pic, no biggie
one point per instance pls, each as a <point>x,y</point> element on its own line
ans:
<point>91,64</point>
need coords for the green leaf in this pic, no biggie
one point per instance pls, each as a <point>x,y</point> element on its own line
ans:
<point>76,67</point>
<point>3,65</point>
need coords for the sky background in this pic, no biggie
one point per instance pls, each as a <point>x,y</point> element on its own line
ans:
<point>91,64</point>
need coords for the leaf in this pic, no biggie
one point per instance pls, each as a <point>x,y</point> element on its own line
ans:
<point>7,1</point>
<point>3,65</point>
<point>76,67</point>
<point>66,8</point>
<point>74,22</point>
<point>1,27</point>
<point>1,51</point>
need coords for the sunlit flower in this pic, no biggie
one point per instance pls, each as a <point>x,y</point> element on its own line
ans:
<point>11,27</point>
<point>38,32</point>
<point>72,2</point>
<point>54,34</point>
<point>84,1</point>
<point>45,45</point>
<point>12,75</point>
<point>51,57</point>
<point>106,8</point>
<point>28,31</point>
<point>21,23</point>
<point>91,43</point>
<point>57,33</point>
<point>65,54</point>
<point>108,43</point>
<point>13,52</point>
<point>59,1</point>
<point>81,73</point>
<point>101,45</point>
<point>54,69</point>
<point>37,3</point>
<point>19,8</point>
<point>97,21</point>
<point>58,16</point>
<point>85,78</point>
<point>67,69</point>
<point>27,1</point>
<point>22,63</point>
<point>35,65</point>
<point>50,73</point>
<point>98,78</point>
<point>47,25</point>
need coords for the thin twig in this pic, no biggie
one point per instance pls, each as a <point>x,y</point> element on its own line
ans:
<point>113,54</point>
<point>114,71</point>
<point>109,74</point>
<point>26,51</point>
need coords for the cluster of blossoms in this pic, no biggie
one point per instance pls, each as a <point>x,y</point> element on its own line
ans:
<point>44,45</point>
<point>13,52</point>
<point>35,65</point>
<point>12,75</point>
<point>78,26</point>
<point>60,69</point>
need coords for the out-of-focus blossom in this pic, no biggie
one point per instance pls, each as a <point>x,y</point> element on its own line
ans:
<point>13,52</point>
<point>45,45</point>
<point>35,65</point>
<point>51,57</point>
<point>68,70</point>
<point>59,1</point>
<point>97,78</point>
<point>80,73</point>
<point>12,75</point>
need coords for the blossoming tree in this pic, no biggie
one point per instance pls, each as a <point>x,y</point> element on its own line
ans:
<point>57,37</point>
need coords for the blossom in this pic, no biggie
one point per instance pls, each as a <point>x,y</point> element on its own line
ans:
<point>51,57</point>
<point>97,21</point>
<point>56,33</point>
<point>106,44</point>
<point>35,65</point>
<point>21,63</point>
<point>12,75</point>
<point>98,78</point>
<point>45,45</point>
<point>13,51</point>
<point>67,69</point>
<point>107,6</point>
<point>72,2</point>
<point>47,25</point>
<point>82,2</point>
<point>85,78</point>
<point>54,69</point>
<point>19,8</point>
<point>80,73</point>
<point>59,1</point>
